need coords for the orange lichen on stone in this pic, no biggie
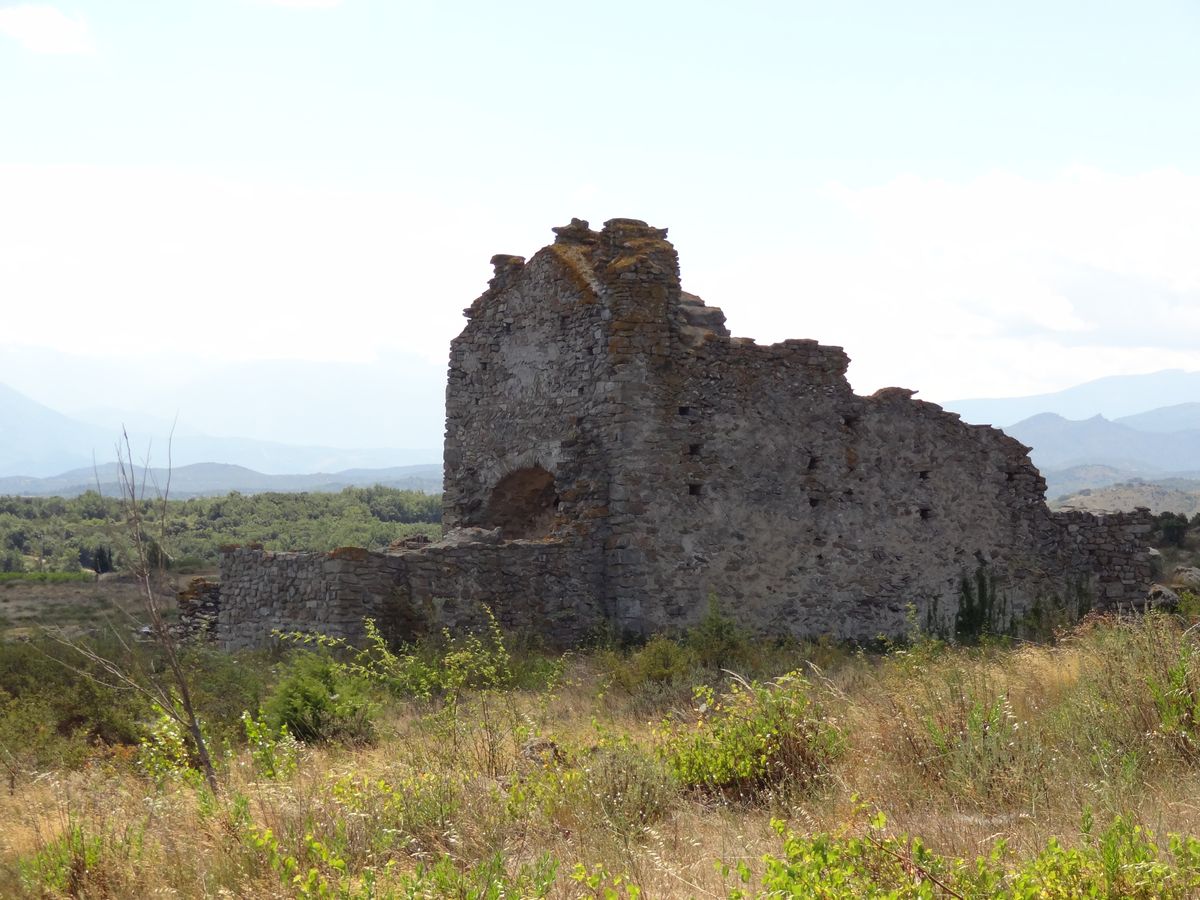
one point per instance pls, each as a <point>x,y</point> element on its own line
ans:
<point>577,267</point>
<point>357,554</point>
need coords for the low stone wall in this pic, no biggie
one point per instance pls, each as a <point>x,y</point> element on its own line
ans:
<point>1109,549</point>
<point>549,587</point>
<point>541,586</point>
<point>331,593</point>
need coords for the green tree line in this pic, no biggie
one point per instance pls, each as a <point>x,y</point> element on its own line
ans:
<point>56,534</point>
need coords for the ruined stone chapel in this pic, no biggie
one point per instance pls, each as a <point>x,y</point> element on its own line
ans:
<point>614,459</point>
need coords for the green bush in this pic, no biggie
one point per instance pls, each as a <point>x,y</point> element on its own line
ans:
<point>57,707</point>
<point>318,701</point>
<point>717,640</point>
<point>1123,861</point>
<point>165,753</point>
<point>754,737</point>
<point>659,661</point>
<point>318,871</point>
<point>275,752</point>
<point>224,685</point>
<point>448,666</point>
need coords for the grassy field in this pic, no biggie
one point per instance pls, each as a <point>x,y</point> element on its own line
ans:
<point>82,605</point>
<point>481,767</point>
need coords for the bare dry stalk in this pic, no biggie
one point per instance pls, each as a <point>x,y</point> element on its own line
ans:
<point>173,696</point>
<point>176,699</point>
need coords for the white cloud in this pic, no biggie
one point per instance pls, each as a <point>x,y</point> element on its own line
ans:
<point>42,28</point>
<point>114,261</point>
<point>304,4</point>
<point>997,286</point>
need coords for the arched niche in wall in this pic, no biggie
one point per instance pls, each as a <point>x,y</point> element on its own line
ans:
<point>523,504</point>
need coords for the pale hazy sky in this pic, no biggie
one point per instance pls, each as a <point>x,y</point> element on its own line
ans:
<point>973,199</point>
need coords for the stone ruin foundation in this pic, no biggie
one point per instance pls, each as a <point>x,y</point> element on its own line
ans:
<point>614,458</point>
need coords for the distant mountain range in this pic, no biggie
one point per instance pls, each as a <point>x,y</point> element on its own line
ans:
<point>1084,438</point>
<point>1059,443</point>
<point>392,400</point>
<point>1105,432</point>
<point>36,441</point>
<point>1095,452</point>
<point>207,479</point>
<point>1115,397</point>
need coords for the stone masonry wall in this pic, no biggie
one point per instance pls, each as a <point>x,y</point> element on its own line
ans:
<point>528,585</point>
<point>264,591</point>
<point>614,457</point>
<point>755,475</point>
<point>1109,549</point>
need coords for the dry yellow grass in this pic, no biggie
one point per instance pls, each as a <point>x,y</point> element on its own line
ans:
<point>1033,736</point>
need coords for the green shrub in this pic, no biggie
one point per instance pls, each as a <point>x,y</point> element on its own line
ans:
<point>402,674</point>
<point>717,640</point>
<point>224,685</point>
<point>450,666</point>
<point>1123,861</point>
<point>660,661</point>
<point>836,866</point>
<point>275,752</point>
<point>756,736</point>
<point>601,884</point>
<point>30,739</point>
<point>165,753</point>
<point>57,707</point>
<point>318,871</point>
<point>317,701</point>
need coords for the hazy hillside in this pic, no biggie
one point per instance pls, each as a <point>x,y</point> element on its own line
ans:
<point>1112,397</point>
<point>396,400</point>
<point>1058,443</point>
<point>1173,495</point>
<point>38,442</point>
<point>1180,417</point>
<point>209,479</point>
<point>1083,477</point>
